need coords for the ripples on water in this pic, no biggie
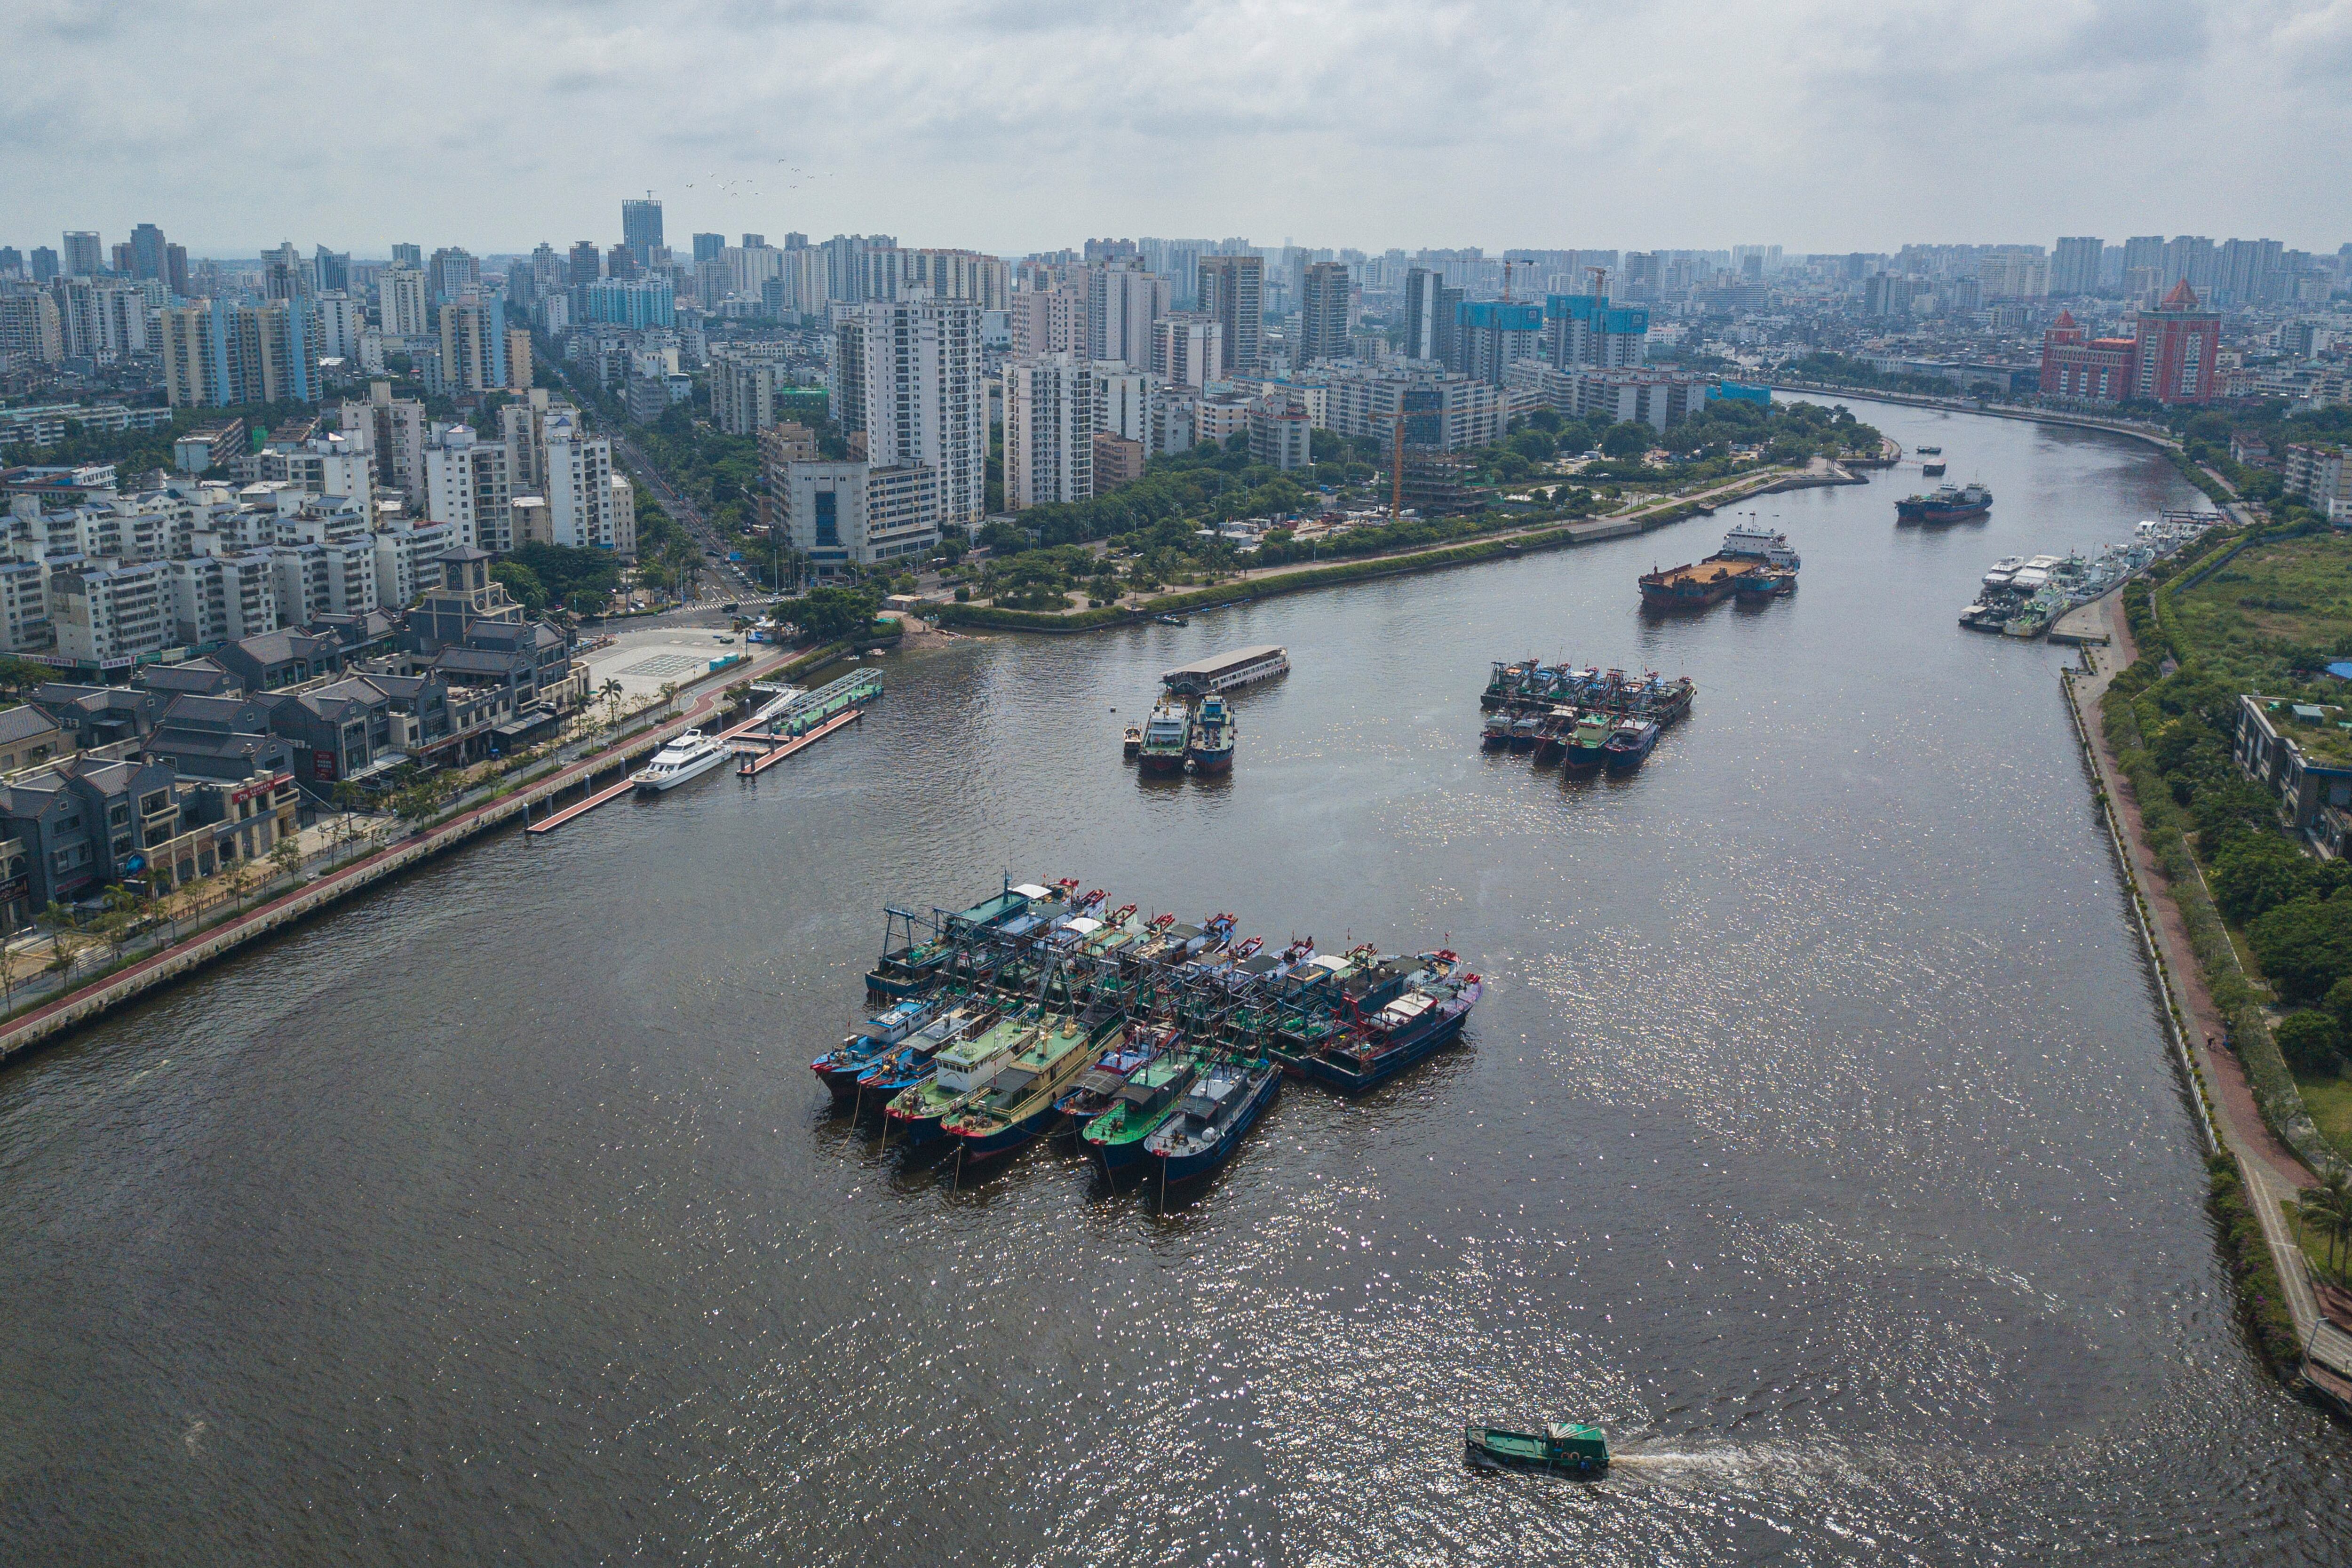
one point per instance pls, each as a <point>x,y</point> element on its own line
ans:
<point>1816,1137</point>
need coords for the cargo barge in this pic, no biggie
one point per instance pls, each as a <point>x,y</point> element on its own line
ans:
<point>1755,561</point>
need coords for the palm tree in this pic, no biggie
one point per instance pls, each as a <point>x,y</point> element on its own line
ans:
<point>2327,1210</point>
<point>611,693</point>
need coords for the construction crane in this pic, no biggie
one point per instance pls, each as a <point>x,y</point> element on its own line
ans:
<point>1506,280</point>
<point>1599,281</point>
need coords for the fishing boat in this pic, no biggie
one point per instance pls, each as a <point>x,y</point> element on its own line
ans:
<point>1628,745</point>
<point>1019,1103</point>
<point>1114,1140</point>
<point>910,1061</point>
<point>1210,1123</point>
<point>1551,739</point>
<point>839,1068</point>
<point>1406,1030</point>
<point>964,1071</point>
<point>1586,742</point>
<point>1209,749</point>
<point>688,756</point>
<point>1562,1447</point>
<point>1131,742</point>
<point>1164,736</point>
<point>1099,1087</point>
<point>1526,730</point>
<point>1495,735</point>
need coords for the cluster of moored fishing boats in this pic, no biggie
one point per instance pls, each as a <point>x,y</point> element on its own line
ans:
<point>2021,595</point>
<point>1582,719</point>
<point>1154,1045</point>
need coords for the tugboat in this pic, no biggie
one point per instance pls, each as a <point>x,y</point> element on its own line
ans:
<point>1563,1448</point>
<point>1628,745</point>
<point>1163,749</point>
<point>1949,503</point>
<point>1210,748</point>
<point>1210,1123</point>
<point>1771,584</point>
<point>1587,744</point>
<point>1131,742</point>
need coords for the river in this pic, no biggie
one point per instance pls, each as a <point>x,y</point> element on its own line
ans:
<point>1817,1136</point>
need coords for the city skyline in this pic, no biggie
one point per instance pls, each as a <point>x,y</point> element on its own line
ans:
<point>1757,126</point>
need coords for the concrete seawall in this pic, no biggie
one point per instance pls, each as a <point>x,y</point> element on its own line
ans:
<point>61,1016</point>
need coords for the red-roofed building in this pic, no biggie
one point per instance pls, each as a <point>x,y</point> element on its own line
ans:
<point>2170,356</point>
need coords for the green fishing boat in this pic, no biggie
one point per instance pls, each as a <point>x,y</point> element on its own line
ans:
<point>1563,1448</point>
<point>965,1071</point>
<point>1020,1103</point>
<point>1114,1140</point>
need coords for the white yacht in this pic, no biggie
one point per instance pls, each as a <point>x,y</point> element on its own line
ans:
<point>689,756</point>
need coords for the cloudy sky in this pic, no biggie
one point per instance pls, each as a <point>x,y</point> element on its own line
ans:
<point>1013,125</point>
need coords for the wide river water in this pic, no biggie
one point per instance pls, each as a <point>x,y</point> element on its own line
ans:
<point>1816,1136</point>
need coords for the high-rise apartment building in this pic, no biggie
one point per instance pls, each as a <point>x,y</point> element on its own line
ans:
<point>1586,329</point>
<point>411,255</point>
<point>1048,319</point>
<point>707,248</point>
<point>2177,349</point>
<point>1050,412</point>
<point>341,322</point>
<point>631,302</point>
<point>641,229</point>
<point>393,431</point>
<point>587,263</point>
<point>283,275</point>
<point>743,390</point>
<point>1122,302</point>
<point>400,302</point>
<point>1495,334</point>
<point>31,329</point>
<point>469,482</point>
<point>474,344</point>
<point>331,270</point>
<point>450,273</point>
<point>175,270</point>
<point>45,264</point>
<point>1188,348</point>
<point>907,373</point>
<point>1322,313</point>
<point>1232,290</point>
<point>578,482</point>
<point>84,256</point>
<point>1432,313</point>
<point>220,354</point>
<point>2075,266</point>
<point>147,252</point>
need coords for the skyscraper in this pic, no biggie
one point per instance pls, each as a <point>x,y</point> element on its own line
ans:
<point>1188,348</point>
<point>1122,300</point>
<point>84,256</point>
<point>147,252</point>
<point>283,276</point>
<point>450,273</point>
<point>332,270</point>
<point>707,248</point>
<point>175,268</point>
<point>2176,348</point>
<point>1431,309</point>
<point>45,264</point>
<point>907,371</point>
<point>408,256</point>
<point>1322,312</point>
<point>2074,266</point>
<point>1232,290</point>
<point>641,229</point>
<point>587,266</point>
<point>400,302</point>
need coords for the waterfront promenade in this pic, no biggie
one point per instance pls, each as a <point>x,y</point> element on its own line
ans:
<point>69,1011</point>
<point>2275,1176</point>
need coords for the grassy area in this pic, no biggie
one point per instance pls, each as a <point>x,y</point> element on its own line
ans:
<point>2275,606</point>
<point>2329,1101</point>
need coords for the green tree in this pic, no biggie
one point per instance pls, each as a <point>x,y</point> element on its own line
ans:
<point>2311,1042</point>
<point>523,583</point>
<point>2326,1211</point>
<point>830,614</point>
<point>1625,440</point>
<point>2305,946</point>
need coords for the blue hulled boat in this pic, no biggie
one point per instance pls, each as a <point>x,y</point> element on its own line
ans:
<point>841,1068</point>
<point>1628,745</point>
<point>1207,1129</point>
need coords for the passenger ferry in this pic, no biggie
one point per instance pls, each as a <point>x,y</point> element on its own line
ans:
<point>688,756</point>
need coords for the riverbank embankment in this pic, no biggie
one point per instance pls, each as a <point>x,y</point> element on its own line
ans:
<point>1275,581</point>
<point>2270,1175</point>
<point>509,802</point>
